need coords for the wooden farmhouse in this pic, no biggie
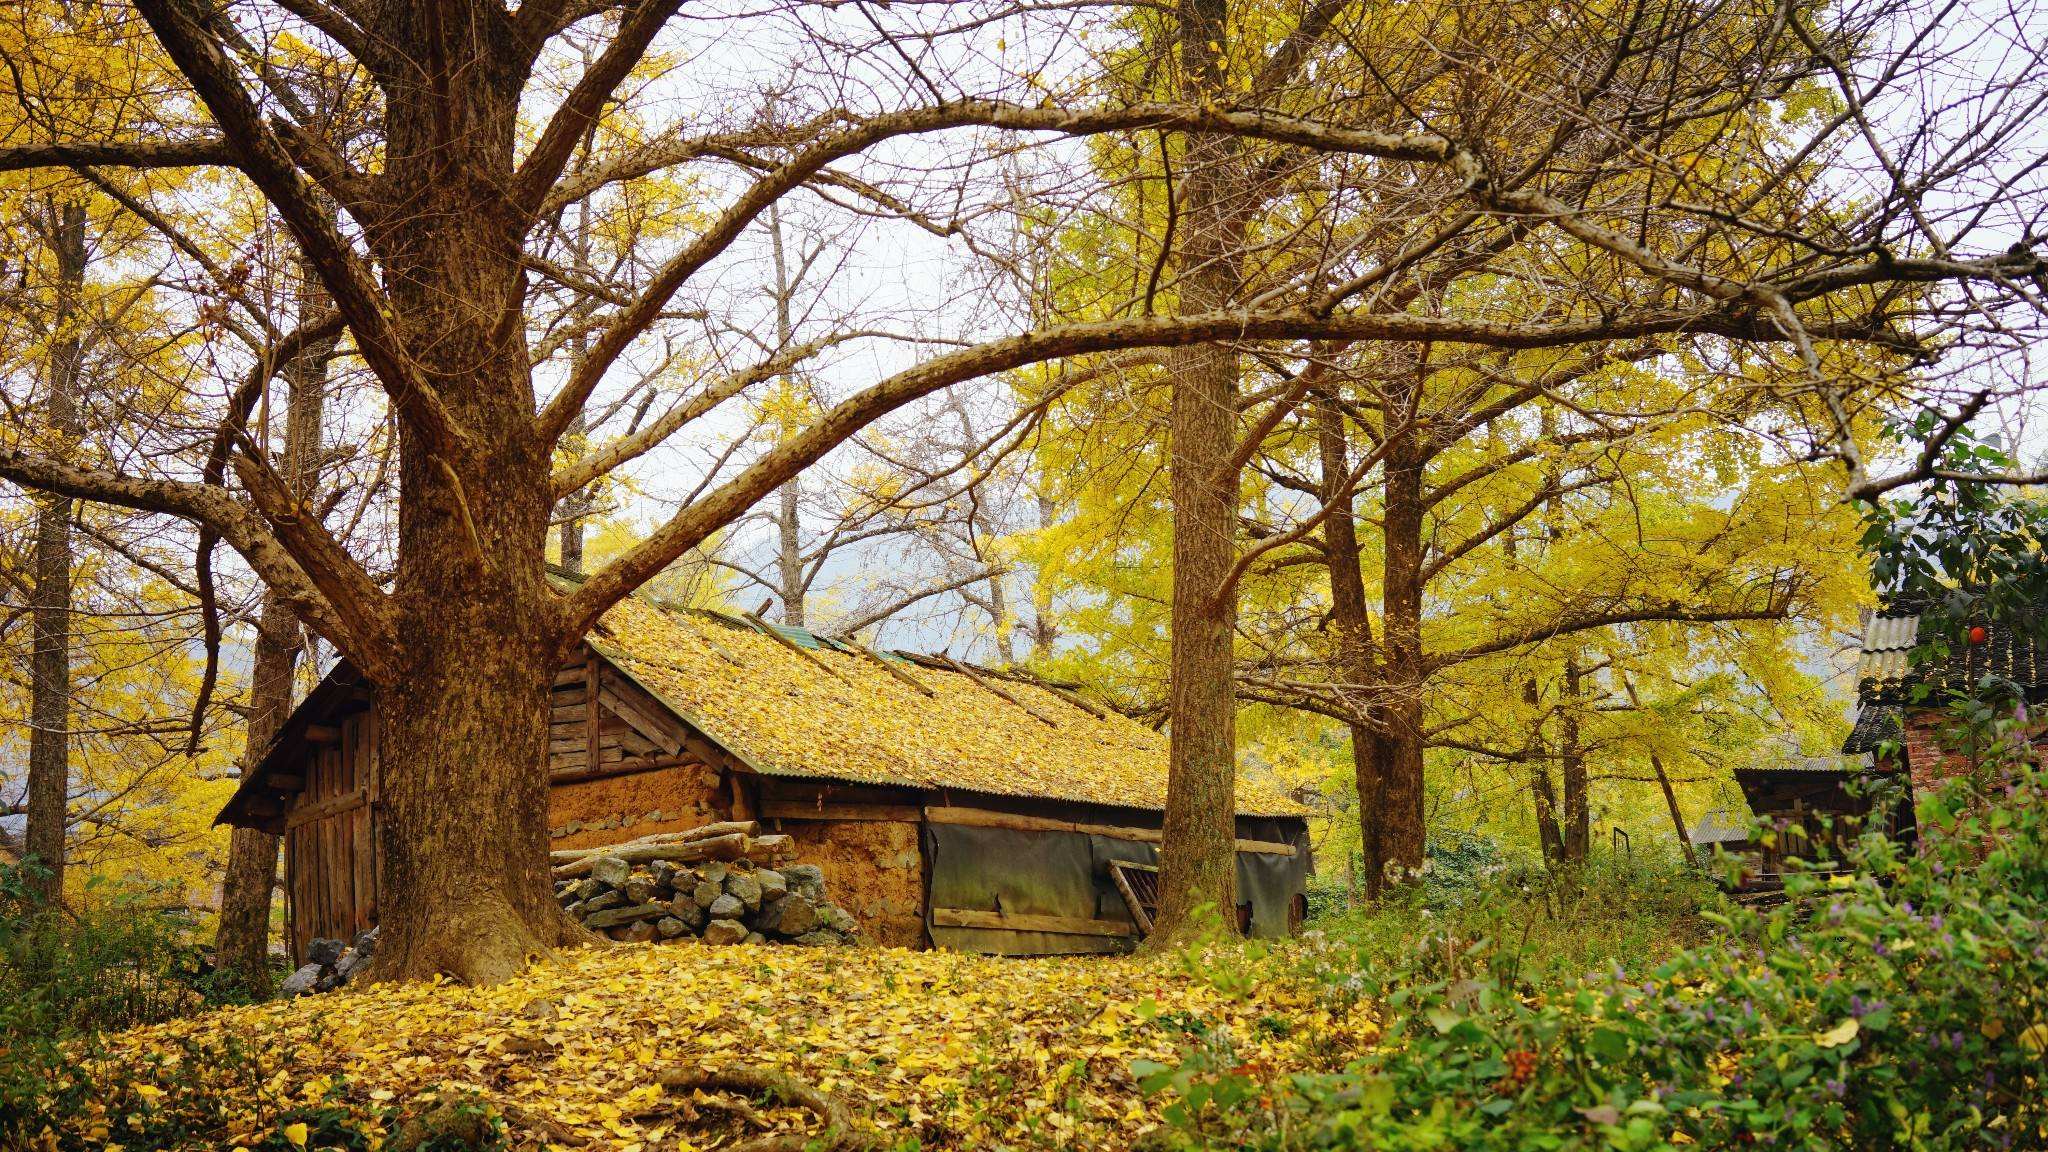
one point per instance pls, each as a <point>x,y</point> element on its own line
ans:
<point>948,805</point>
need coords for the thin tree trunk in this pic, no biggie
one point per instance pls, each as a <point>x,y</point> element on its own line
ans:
<point>1571,755</point>
<point>1198,858</point>
<point>576,505</point>
<point>1664,784</point>
<point>49,749</point>
<point>1542,795</point>
<point>1045,631</point>
<point>789,556</point>
<point>242,942</point>
<point>575,437</point>
<point>1671,802</point>
<point>1350,618</point>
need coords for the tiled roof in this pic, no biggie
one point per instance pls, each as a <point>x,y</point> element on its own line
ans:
<point>1875,724</point>
<point>783,714</point>
<point>1887,674</point>
<point>1833,765</point>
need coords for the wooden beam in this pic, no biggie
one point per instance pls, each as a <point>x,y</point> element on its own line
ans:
<point>797,810</point>
<point>333,805</point>
<point>618,768</point>
<point>1131,901</point>
<point>666,737</point>
<point>991,685</point>
<point>322,734</point>
<point>768,630</point>
<point>983,818</point>
<point>1014,922</point>
<point>885,665</point>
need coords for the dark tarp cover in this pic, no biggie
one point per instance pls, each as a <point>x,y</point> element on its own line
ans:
<point>1036,873</point>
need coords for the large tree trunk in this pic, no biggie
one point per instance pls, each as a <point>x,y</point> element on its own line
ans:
<point>49,741</point>
<point>462,821</point>
<point>1400,809</point>
<point>242,942</point>
<point>1198,859</point>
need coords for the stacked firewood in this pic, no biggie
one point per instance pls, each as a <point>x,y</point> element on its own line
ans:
<point>723,883</point>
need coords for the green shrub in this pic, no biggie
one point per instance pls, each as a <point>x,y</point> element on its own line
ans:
<point>1902,1006</point>
<point>115,960</point>
<point>1560,923</point>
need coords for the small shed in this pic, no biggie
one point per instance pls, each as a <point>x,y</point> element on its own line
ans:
<point>949,805</point>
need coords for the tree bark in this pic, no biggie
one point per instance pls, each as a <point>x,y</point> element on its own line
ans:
<point>49,749</point>
<point>462,817</point>
<point>1542,796</point>
<point>242,941</point>
<point>789,555</point>
<point>1198,859</point>
<point>1351,619</point>
<point>1399,811</point>
<point>1571,756</point>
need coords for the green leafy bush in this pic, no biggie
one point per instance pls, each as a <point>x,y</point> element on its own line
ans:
<point>111,961</point>
<point>1560,923</point>
<point>1902,1006</point>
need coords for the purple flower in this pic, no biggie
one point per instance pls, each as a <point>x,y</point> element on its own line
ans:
<point>1837,1089</point>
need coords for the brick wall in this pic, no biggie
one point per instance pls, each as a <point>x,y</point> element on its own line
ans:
<point>1930,762</point>
<point>1926,760</point>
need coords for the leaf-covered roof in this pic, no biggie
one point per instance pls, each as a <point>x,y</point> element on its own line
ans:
<point>783,714</point>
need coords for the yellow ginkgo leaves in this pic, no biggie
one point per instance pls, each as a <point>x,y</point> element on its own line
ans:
<point>957,1051</point>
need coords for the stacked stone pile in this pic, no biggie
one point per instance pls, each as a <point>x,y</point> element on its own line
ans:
<point>330,964</point>
<point>722,883</point>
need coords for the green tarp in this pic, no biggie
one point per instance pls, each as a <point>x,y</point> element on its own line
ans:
<point>1066,874</point>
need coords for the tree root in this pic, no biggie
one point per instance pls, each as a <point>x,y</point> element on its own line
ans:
<point>465,1121</point>
<point>481,944</point>
<point>841,1133</point>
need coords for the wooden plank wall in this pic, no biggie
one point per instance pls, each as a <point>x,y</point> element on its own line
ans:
<point>634,731</point>
<point>330,840</point>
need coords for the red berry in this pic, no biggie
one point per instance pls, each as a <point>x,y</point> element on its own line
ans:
<point>1979,633</point>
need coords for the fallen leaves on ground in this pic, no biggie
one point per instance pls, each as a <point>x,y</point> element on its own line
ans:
<point>956,1051</point>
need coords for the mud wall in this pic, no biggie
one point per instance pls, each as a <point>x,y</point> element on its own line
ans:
<point>587,813</point>
<point>874,869</point>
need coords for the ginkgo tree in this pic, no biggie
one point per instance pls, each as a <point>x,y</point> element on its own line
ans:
<point>1621,140</point>
<point>1502,123</point>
